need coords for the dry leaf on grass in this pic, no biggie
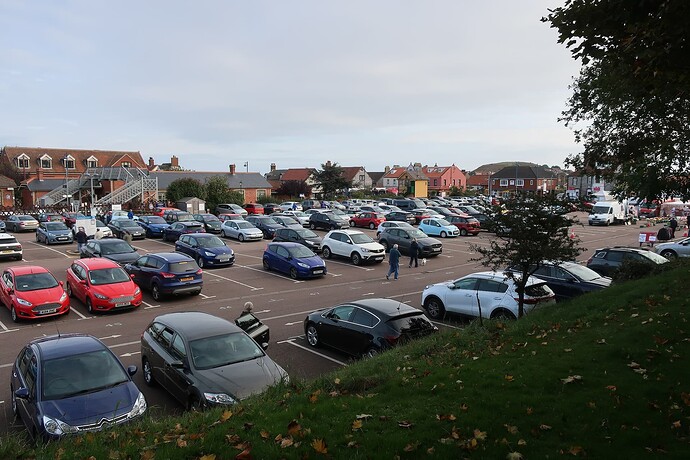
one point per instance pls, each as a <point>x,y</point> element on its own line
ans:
<point>319,445</point>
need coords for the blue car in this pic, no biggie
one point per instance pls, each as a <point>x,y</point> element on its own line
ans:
<point>176,229</point>
<point>436,226</point>
<point>154,226</point>
<point>293,259</point>
<point>208,250</point>
<point>53,233</point>
<point>72,383</point>
<point>166,273</point>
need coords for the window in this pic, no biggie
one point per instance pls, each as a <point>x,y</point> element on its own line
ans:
<point>521,183</point>
<point>511,182</point>
<point>46,162</point>
<point>178,348</point>
<point>68,162</point>
<point>126,164</point>
<point>23,161</point>
<point>92,162</point>
<point>435,182</point>
<point>361,177</point>
<point>445,182</point>
<point>531,182</point>
<point>504,182</point>
<point>261,193</point>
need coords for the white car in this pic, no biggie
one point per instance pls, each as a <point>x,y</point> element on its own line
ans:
<point>493,292</point>
<point>290,206</point>
<point>102,230</point>
<point>299,216</point>
<point>353,244</point>
<point>240,230</point>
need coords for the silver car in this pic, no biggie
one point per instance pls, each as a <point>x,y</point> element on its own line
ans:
<point>674,249</point>
<point>240,230</point>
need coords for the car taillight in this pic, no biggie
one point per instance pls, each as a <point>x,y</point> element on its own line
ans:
<point>198,272</point>
<point>392,339</point>
<point>167,275</point>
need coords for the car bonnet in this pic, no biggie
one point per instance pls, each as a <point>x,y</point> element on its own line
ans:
<point>242,379</point>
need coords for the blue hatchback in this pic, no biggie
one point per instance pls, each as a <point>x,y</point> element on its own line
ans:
<point>208,250</point>
<point>166,273</point>
<point>154,225</point>
<point>294,259</point>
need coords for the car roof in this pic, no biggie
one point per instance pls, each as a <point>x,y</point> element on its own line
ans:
<point>96,263</point>
<point>195,324</point>
<point>57,346</point>
<point>28,269</point>
<point>170,256</point>
<point>348,231</point>
<point>622,249</point>
<point>287,244</point>
<point>386,307</point>
<point>109,241</point>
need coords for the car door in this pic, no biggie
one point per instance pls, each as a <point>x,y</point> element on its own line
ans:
<point>233,229</point>
<point>25,375</point>
<point>186,245</point>
<point>567,285</point>
<point>335,329</point>
<point>141,269</point>
<point>177,370</point>
<point>489,294</point>
<point>281,258</point>
<point>74,278</point>
<point>6,285</point>
<point>360,333</point>
<point>462,297</point>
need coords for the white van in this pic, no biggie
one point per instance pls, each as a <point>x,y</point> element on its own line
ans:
<point>609,212</point>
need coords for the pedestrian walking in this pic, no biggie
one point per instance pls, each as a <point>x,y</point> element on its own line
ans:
<point>393,262</point>
<point>130,214</point>
<point>82,237</point>
<point>414,253</point>
<point>673,224</point>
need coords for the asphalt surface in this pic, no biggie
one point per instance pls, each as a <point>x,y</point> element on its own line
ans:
<point>280,302</point>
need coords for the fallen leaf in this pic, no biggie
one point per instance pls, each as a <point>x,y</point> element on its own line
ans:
<point>363,416</point>
<point>450,417</point>
<point>286,442</point>
<point>405,424</point>
<point>512,429</point>
<point>336,381</point>
<point>601,341</point>
<point>232,438</point>
<point>294,428</point>
<point>225,415</point>
<point>147,455</point>
<point>676,424</point>
<point>264,434</point>
<point>319,445</point>
<point>522,442</point>
<point>572,378</point>
<point>544,427</point>
<point>514,456</point>
<point>611,387</point>
<point>246,454</point>
<point>576,450</point>
<point>530,411</point>
<point>181,442</point>
<point>480,435</point>
<point>356,425</point>
<point>411,447</point>
<point>208,457</point>
<point>508,377</point>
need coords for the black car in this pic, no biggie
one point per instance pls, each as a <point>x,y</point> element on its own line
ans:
<point>166,273</point>
<point>270,208</point>
<point>176,229</point>
<point>401,216</point>
<point>402,236</point>
<point>204,360</point>
<point>122,227</point>
<point>72,383</point>
<point>570,279</point>
<point>266,224</point>
<point>606,261</point>
<point>114,249</point>
<point>211,223</point>
<point>299,235</point>
<point>366,327</point>
<point>174,215</point>
<point>328,221</point>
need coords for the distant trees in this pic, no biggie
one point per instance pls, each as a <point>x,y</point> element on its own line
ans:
<point>330,180</point>
<point>214,191</point>
<point>185,187</point>
<point>293,188</point>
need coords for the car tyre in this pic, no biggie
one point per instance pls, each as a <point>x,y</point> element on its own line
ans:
<point>155,292</point>
<point>371,352</point>
<point>89,305</point>
<point>293,273</point>
<point>312,226</point>
<point>326,252</point>
<point>149,379</point>
<point>267,267</point>
<point>13,313</point>
<point>240,237</point>
<point>356,258</point>
<point>222,233</point>
<point>463,232</point>
<point>352,223</point>
<point>195,404</point>
<point>434,307</point>
<point>670,255</point>
<point>443,234</point>
<point>371,226</point>
<point>14,402</point>
<point>386,246</point>
<point>312,335</point>
<point>503,314</point>
<point>68,289</point>
<point>200,262</point>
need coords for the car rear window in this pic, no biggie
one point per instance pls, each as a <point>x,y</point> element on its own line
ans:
<point>538,290</point>
<point>184,266</point>
<point>411,322</point>
<point>10,240</point>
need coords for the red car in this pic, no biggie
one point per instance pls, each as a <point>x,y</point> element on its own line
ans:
<point>102,285</point>
<point>32,292</point>
<point>367,219</point>
<point>71,218</point>
<point>159,211</point>
<point>423,213</point>
<point>466,224</point>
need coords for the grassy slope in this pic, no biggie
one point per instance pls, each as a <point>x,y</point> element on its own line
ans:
<point>605,376</point>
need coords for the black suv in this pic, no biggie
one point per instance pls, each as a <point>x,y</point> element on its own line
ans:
<point>327,221</point>
<point>264,223</point>
<point>402,236</point>
<point>606,261</point>
<point>303,236</point>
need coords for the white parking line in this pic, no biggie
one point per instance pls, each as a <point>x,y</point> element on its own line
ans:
<point>270,273</point>
<point>71,308</point>
<point>4,328</point>
<point>233,281</point>
<point>54,250</point>
<point>291,342</point>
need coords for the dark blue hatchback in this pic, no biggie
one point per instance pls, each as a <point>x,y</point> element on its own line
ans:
<point>72,383</point>
<point>294,259</point>
<point>166,273</point>
<point>208,250</point>
<point>154,226</point>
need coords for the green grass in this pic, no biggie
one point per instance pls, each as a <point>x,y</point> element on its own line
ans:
<point>605,376</point>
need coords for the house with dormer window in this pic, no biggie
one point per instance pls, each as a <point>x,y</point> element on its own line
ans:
<point>442,178</point>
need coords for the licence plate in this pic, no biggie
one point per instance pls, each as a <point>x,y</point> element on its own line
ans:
<point>378,258</point>
<point>122,304</point>
<point>224,259</point>
<point>47,312</point>
<point>318,272</point>
<point>188,278</point>
<point>7,251</point>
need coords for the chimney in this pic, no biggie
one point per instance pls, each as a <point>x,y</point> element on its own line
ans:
<point>328,164</point>
<point>273,167</point>
<point>174,162</point>
<point>232,169</point>
<point>151,163</point>
<point>39,173</point>
<point>386,169</point>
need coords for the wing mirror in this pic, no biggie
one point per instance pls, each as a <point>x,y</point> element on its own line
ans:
<point>131,370</point>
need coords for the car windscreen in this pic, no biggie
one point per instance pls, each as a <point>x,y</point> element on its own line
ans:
<point>10,240</point>
<point>306,233</point>
<point>299,252</point>
<point>210,242</point>
<point>128,224</point>
<point>584,273</point>
<point>223,350</point>
<point>156,220</point>
<point>183,266</point>
<point>412,322</point>
<point>25,218</point>
<point>209,218</point>
<point>600,210</point>
<point>34,282</point>
<point>108,276</point>
<point>53,226</point>
<point>443,222</point>
<point>117,247</point>
<point>416,233</point>
<point>654,257</point>
<point>244,225</point>
<point>361,238</point>
<point>184,217</point>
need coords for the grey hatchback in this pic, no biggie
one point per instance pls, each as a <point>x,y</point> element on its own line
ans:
<point>403,236</point>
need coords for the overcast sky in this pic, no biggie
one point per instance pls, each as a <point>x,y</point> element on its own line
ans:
<point>292,82</point>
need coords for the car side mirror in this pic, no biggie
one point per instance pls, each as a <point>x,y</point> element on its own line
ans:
<point>22,393</point>
<point>177,365</point>
<point>264,346</point>
<point>131,370</point>
<point>82,281</point>
<point>61,283</point>
<point>97,253</point>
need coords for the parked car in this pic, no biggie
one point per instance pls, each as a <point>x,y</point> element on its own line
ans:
<point>569,279</point>
<point>606,261</point>
<point>367,219</point>
<point>53,232</point>
<point>266,224</point>
<point>176,229</point>
<point>254,208</point>
<point>492,292</point>
<point>71,218</point>
<point>51,217</point>
<point>466,225</point>
<point>366,327</point>
<point>299,216</point>
<point>420,214</point>
<point>102,285</point>
<point>175,215</point>
<point>153,226</point>
<point>208,250</point>
<point>166,273</point>
<point>21,223</point>
<point>231,208</point>
<point>270,208</point>
<point>287,221</point>
<point>401,216</point>
<point>203,360</point>
<point>229,216</point>
<point>327,221</point>
<point>303,236</point>
<point>70,384</point>
<point>438,227</point>
<point>293,259</point>
<point>428,247</point>
<point>291,206</point>
<point>353,244</point>
<point>3,226</point>
<point>32,292</point>
<point>102,230</point>
<point>124,227</point>
<point>391,224</point>
<point>211,222</point>
<point>161,210</point>
<point>114,249</point>
<point>240,230</point>
<point>10,248</point>
<point>674,249</point>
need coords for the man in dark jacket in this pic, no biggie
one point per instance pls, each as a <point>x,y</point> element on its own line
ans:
<point>393,262</point>
<point>81,239</point>
<point>414,253</point>
<point>673,224</point>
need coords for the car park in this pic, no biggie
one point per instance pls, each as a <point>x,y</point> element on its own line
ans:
<point>674,249</point>
<point>266,224</point>
<point>401,216</point>
<point>366,327</point>
<point>31,292</point>
<point>231,208</point>
<point>55,232</point>
<point>270,208</point>
<point>327,221</point>
<point>466,225</point>
<point>367,219</point>
<point>153,226</point>
<point>291,206</point>
<point>428,247</point>
<point>175,215</point>
<point>10,248</point>
<point>293,259</point>
<point>208,250</point>
<point>166,273</point>
<point>70,384</point>
<point>114,249</point>
<point>391,224</point>
<point>240,230</point>
<point>287,221</point>
<point>352,244</point>
<point>423,213</point>
<point>303,236</point>
<point>569,279</point>
<point>435,226</point>
<point>230,216</point>
<point>299,216</point>
<point>211,223</point>
<point>204,361</point>
<point>173,232</point>
<point>123,228</point>
<point>21,223</point>
<point>50,217</point>
<point>102,285</point>
<point>606,261</point>
<point>254,208</point>
<point>491,293</point>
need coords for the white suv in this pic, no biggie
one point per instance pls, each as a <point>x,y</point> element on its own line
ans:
<point>9,247</point>
<point>352,244</point>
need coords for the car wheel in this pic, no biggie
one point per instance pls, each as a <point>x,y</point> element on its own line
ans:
<point>463,232</point>
<point>352,223</point>
<point>240,237</point>
<point>200,262</point>
<point>222,234</point>
<point>385,245</point>
<point>195,404</point>
<point>670,255</point>
<point>68,289</point>
<point>434,307</point>
<point>14,402</point>
<point>13,313</point>
<point>443,234</point>
<point>196,292</point>
<point>371,352</point>
<point>38,240</point>
<point>266,265</point>
<point>326,252</point>
<point>155,292</point>
<point>293,273</point>
<point>502,314</point>
<point>312,226</point>
<point>371,226</point>
<point>356,258</point>
<point>148,372</point>
<point>89,305</point>
<point>312,335</point>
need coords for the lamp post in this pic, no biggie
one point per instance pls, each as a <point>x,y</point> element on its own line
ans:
<point>64,160</point>
<point>92,176</point>
<point>246,166</point>
<point>516,174</point>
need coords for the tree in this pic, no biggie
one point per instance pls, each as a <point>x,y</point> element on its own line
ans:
<point>630,105</point>
<point>331,181</point>
<point>293,189</point>
<point>530,229</point>
<point>217,192</point>
<point>185,187</point>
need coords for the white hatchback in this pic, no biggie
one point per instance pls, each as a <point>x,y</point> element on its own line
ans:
<point>353,244</point>
<point>290,206</point>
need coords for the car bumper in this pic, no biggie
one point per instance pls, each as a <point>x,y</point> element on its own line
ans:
<point>216,262</point>
<point>180,289</point>
<point>122,303</point>
<point>42,311</point>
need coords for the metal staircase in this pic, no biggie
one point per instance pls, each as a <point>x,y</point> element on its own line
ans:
<point>61,193</point>
<point>133,188</point>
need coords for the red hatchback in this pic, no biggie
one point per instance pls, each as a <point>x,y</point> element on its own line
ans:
<point>102,285</point>
<point>32,292</point>
<point>467,225</point>
<point>367,219</point>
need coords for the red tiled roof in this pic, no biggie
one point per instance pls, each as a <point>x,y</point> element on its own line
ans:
<point>477,179</point>
<point>299,174</point>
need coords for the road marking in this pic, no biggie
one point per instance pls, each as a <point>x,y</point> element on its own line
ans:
<point>77,312</point>
<point>369,293</point>
<point>207,296</point>
<point>127,355</point>
<point>148,305</point>
<point>262,270</point>
<point>65,254</point>
<point>2,325</point>
<point>291,342</point>
<point>293,323</point>
<point>114,336</point>
<point>446,325</point>
<point>233,281</point>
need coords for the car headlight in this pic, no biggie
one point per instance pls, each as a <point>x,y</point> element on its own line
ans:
<point>209,254</point>
<point>139,406</point>
<point>26,303</point>
<point>57,427</point>
<point>365,250</point>
<point>63,297</point>
<point>302,264</point>
<point>137,291</point>
<point>219,398</point>
<point>100,296</point>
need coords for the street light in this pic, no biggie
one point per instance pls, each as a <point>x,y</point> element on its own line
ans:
<point>64,160</point>
<point>92,176</point>
<point>246,165</point>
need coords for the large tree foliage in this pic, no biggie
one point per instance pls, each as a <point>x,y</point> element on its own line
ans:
<point>294,189</point>
<point>217,192</point>
<point>630,106</point>
<point>530,229</point>
<point>185,187</point>
<point>331,181</point>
